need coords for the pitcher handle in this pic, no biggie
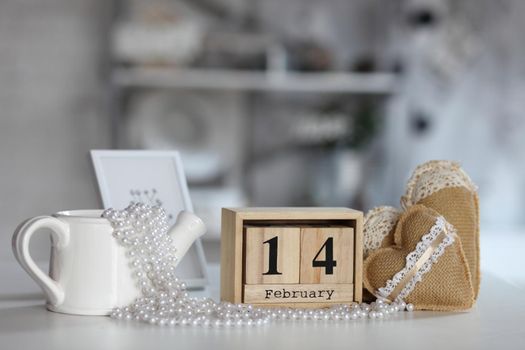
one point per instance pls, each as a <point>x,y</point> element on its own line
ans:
<point>20,243</point>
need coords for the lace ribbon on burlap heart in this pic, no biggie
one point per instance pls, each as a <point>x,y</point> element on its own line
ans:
<point>426,266</point>
<point>378,228</point>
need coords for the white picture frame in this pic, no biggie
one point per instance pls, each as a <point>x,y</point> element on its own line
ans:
<point>152,177</point>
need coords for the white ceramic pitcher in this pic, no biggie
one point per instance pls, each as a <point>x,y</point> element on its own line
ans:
<point>89,273</point>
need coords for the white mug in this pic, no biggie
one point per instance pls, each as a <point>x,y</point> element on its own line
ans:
<point>89,273</point>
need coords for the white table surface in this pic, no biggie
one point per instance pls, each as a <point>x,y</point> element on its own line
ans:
<point>497,322</point>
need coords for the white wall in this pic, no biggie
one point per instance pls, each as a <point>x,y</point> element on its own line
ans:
<point>50,110</point>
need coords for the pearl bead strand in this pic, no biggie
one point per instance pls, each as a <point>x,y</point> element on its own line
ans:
<point>143,231</point>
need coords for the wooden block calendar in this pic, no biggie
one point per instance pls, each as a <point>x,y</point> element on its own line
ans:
<point>297,257</point>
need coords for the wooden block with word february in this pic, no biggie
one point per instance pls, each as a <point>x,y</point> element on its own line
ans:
<point>326,293</point>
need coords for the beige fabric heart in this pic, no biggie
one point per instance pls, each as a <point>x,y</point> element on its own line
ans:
<point>426,266</point>
<point>446,188</point>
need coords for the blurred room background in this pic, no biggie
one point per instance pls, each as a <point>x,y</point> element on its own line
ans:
<point>271,103</point>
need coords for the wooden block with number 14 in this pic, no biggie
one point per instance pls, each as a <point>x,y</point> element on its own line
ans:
<point>295,257</point>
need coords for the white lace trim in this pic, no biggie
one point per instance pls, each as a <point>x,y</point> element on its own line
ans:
<point>379,222</point>
<point>411,259</point>
<point>433,176</point>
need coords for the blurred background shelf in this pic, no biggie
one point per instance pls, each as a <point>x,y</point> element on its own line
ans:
<point>222,79</point>
<point>251,92</point>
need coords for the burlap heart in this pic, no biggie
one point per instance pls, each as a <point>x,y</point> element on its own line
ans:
<point>446,188</point>
<point>426,266</point>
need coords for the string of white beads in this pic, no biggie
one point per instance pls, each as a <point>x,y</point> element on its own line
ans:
<point>143,231</point>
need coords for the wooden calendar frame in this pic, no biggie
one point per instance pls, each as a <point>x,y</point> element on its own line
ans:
<point>232,246</point>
